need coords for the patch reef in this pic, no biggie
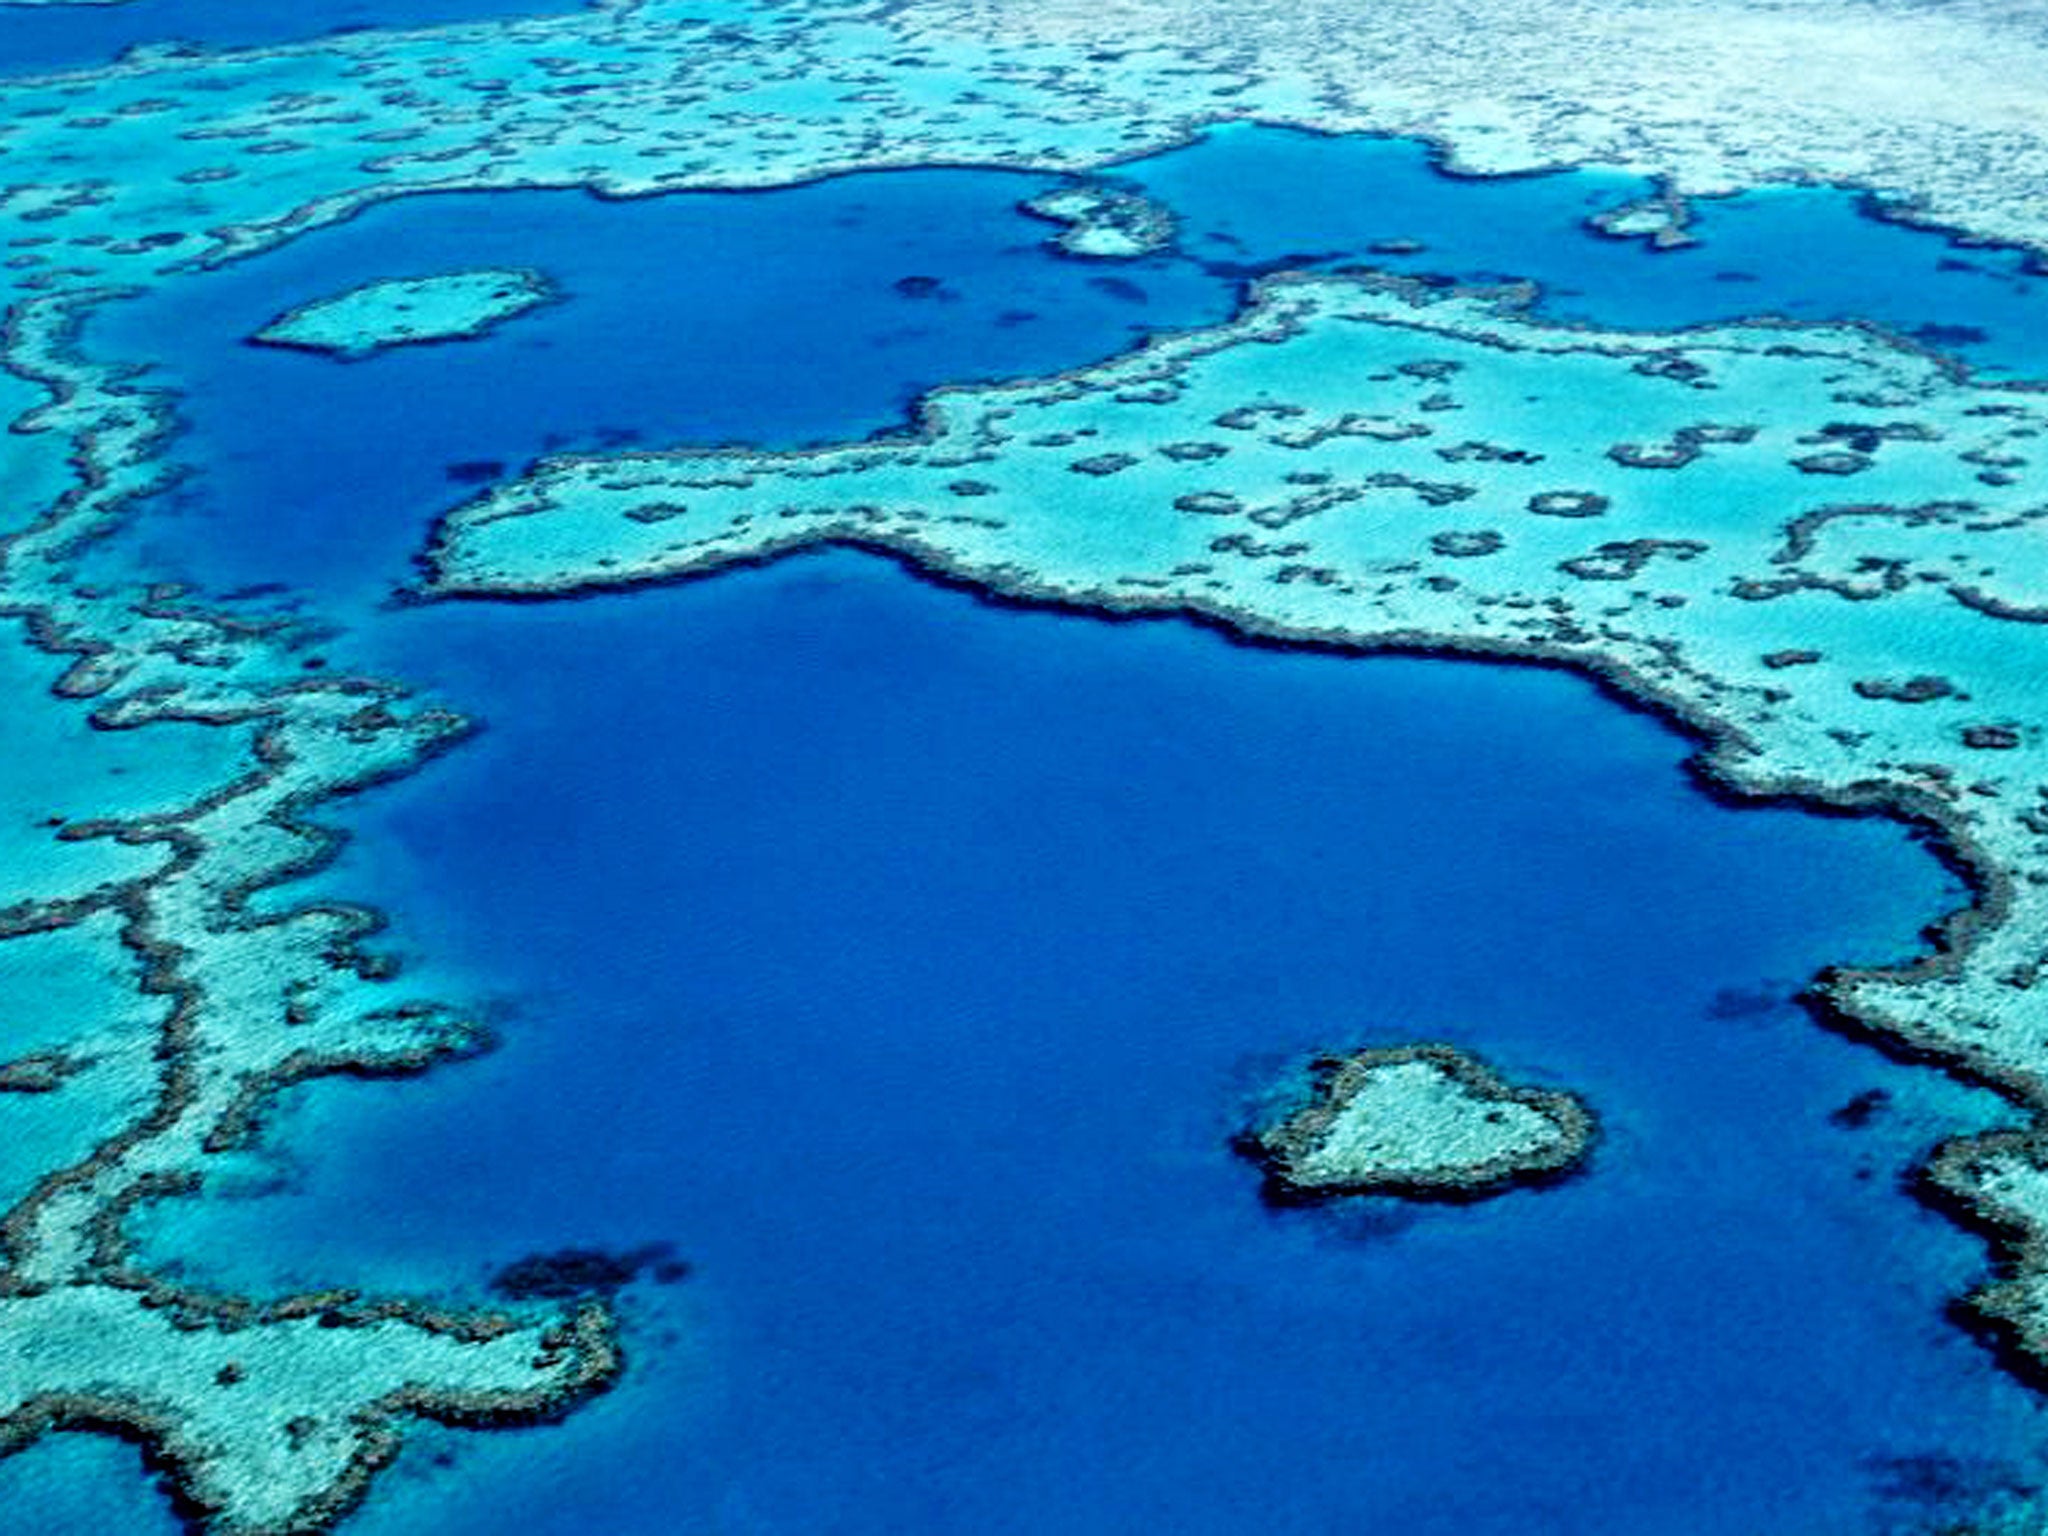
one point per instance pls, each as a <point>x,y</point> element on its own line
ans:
<point>1426,1122</point>
<point>404,311</point>
<point>1103,222</point>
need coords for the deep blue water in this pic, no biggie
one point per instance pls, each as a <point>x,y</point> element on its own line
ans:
<point>83,1485</point>
<point>908,962</point>
<point>42,39</point>
<point>1250,194</point>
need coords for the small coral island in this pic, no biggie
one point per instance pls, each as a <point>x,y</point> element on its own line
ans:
<point>1426,1122</point>
<point>400,311</point>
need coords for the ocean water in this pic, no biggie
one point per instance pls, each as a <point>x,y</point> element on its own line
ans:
<point>907,962</point>
<point>1253,195</point>
<point>89,1485</point>
<point>44,39</point>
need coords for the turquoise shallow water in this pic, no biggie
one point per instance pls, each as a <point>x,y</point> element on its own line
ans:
<point>907,962</point>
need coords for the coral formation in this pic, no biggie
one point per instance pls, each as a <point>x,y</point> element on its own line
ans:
<point>1427,1122</point>
<point>1104,222</point>
<point>1177,487</point>
<point>1796,634</point>
<point>405,311</point>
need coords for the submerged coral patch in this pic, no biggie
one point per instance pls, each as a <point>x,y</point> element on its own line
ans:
<point>1105,222</point>
<point>569,1273</point>
<point>1422,1121</point>
<point>404,311</point>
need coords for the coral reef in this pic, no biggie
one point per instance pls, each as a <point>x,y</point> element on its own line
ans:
<point>1796,634</point>
<point>1753,627</point>
<point>406,311</point>
<point>274,1414</point>
<point>1104,222</point>
<point>1426,1122</point>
